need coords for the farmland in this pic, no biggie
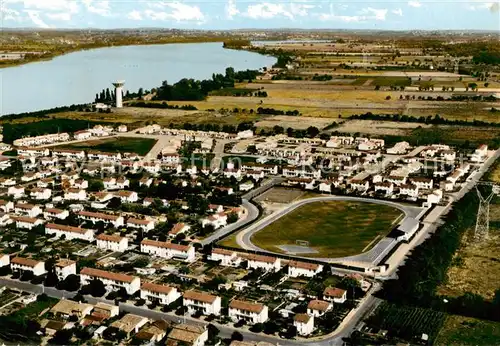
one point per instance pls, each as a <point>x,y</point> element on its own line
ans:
<point>407,323</point>
<point>332,228</point>
<point>459,330</point>
<point>140,146</point>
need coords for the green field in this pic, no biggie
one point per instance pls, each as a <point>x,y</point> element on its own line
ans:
<point>140,146</point>
<point>459,330</point>
<point>333,228</point>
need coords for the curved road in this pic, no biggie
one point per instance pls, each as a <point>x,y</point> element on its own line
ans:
<point>244,237</point>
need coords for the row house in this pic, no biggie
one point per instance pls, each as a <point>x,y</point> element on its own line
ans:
<point>232,173</point>
<point>133,166</point>
<point>170,158</point>
<point>297,268</point>
<point>6,206</point>
<point>339,141</point>
<point>168,250</point>
<point>115,220</point>
<point>326,185</point>
<point>69,154</point>
<point>409,190</point>
<point>144,225</point>
<point>103,156</point>
<point>267,263</point>
<point>48,161</point>
<point>112,281</point>
<point>103,196</point>
<point>64,268</point>
<point>227,258</point>
<point>303,172</point>
<point>30,176</point>
<point>153,167</point>
<point>26,222</point>
<point>178,228</point>
<point>39,140</point>
<point>81,184</point>
<point>304,324</point>
<point>318,307</point>
<point>196,301</point>
<point>82,135</point>
<point>268,169</point>
<point>112,242</point>
<point>162,294</point>
<point>27,209</point>
<point>120,183</point>
<point>16,191</point>
<point>255,175</point>
<point>422,182</point>
<point>22,264</point>
<point>249,312</point>
<point>5,219</point>
<point>45,183</point>
<point>399,148</point>
<point>335,295</point>
<point>70,232</point>
<point>146,181</point>
<point>27,151</point>
<point>396,180</point>
<point>40,193</point>
<point>385,187</point>
<point>126,196</point>
<point>73,194</point>
<point>360,185</point>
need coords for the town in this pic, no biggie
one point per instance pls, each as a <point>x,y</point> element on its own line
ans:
<point>178,245</point>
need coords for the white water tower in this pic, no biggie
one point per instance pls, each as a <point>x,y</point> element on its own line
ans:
<point>119,92</point>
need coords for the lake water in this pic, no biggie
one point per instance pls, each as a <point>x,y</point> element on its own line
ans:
<point>75,78</point>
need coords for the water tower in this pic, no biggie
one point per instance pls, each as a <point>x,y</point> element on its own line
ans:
<point>118,93</point>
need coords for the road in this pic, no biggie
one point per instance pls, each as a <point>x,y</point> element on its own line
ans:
<point>244,237</point>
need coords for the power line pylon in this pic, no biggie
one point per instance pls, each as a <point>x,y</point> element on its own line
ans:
<point>483,216</point>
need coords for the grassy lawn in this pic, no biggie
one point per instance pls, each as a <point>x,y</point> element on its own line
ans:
<point>139,146</point>
<point>333,228</point>
<point>459,330</point>
<point>230,241</point>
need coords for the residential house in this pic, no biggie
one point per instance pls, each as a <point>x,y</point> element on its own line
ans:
<point>117,221</point>
<point>266,263</point>
<point>318,308</point>
<point>249,312</point>
<point>26,221</point>
<point>112,242</point>
<point>385,187</point>
<point>422,182</point>
<point>22,264</point>
<point>480,154</point>
<point>360,185</point>
<point>227,258</point>
<point>69,154</point>
<point>40,193</point>
<point>304,324</point>
<point>163,294</point>
<point>65,309</point>
<point>145,225</point>
<point>298,268</point>
<point>216,220</point>
<point>127,196</point>
<point>130,324</point>
<point>196,301</point>
<point>69,232</point>
<point>334,294</point>
<point>6,206</point>
<point>27,209</point>
<point>178,228</point>
<point>111,281</point>
<point>186,334</point>
<point>16,191</point>
<point>82,135</point>
<point>64,268</point>
<point>168,250</point>
<point>54,213</point>
<point>409,190</point>
<point>73,194</point>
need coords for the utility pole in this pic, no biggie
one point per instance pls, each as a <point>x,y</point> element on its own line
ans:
<point>483,216</point>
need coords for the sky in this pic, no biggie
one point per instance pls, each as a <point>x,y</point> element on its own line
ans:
<point>260,14</point>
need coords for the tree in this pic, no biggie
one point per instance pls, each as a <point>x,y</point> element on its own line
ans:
<point>312,131</point>
<point>232,217</point>
<point>96,288</point>
<point>71,283</point>
<point>62,337</point>
<point>236,336</point>
<point>95,186</point>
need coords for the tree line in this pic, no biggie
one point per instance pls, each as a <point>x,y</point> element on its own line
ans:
<point>162,105</point>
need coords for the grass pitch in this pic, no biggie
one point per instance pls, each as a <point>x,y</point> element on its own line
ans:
<point>140,146</point>
<point>459,330</point>
<point>333,228</point>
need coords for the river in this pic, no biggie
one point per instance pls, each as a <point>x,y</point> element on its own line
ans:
<point>75,78</point>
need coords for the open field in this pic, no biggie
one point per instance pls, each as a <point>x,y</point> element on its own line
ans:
<point>280,195</point>
<point>408,323</point>
<point>139,146</point>
<point>459,330</point>
<point>332,228</point>
<point>297,123</point>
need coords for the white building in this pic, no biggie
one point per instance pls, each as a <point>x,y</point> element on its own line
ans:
<point>227,258</point>
<point>73,194</point>
<point>64,268</point>
<point>145,225</point>
<point>216,220</point>
<point>203,302</point>
<point>82,135</point>
<point>409,190</point>
<point>267,263</point>
<point>112,242</point>
<point>178,228</point>
<point>69,154</point>
<point>249,312</point>
<point>304,324</point>
<point>480,154</point>
<point>27,209</point>
<point>422,182</point>
<point>112,281</point>
<point>168,250</point>
<point>117,221</point>
<point>399,148</point>
<point>54,213</point>
<point>16,191</point>
<point>127,196</point>
<point>21,264</point>
<point>6,206</point>
<point>26,222</point>
<point>334,294</point>
<point>318,308</point>
<point>162,294</point>
<point>40,193</point>
<point>4,260</point>
<point>385,187</point>
<point>70,232</point>
<point>360,185</point>
<point>297,268</point>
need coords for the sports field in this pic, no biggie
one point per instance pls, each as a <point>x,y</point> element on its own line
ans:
<point>140,146</point>
<point>332,228</point>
